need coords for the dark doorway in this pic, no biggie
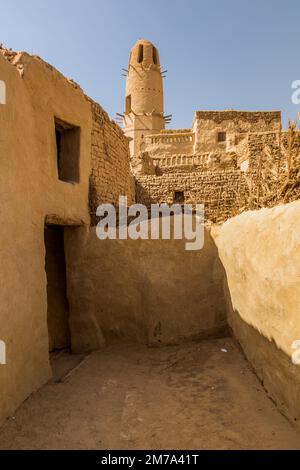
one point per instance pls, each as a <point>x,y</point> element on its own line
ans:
<point>58,306</point>
<point>179,197</point>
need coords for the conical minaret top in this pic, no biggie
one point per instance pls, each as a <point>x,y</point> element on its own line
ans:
<point>144,104</point>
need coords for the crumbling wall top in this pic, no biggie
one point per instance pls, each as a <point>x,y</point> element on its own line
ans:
<point>233,115</point>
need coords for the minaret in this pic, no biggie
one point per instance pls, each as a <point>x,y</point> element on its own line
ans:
<point>144,104</point>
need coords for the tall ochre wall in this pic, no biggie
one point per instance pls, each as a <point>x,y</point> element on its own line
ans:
<point>260,253</point>
<point>147,291</point>
<point>32,194</point>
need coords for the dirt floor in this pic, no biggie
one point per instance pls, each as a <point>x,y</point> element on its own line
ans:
<point>193,396</point>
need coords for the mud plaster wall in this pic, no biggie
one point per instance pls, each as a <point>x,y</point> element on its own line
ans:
<point>260,252</point>
<point>29,191</point>
<point>146,291</point>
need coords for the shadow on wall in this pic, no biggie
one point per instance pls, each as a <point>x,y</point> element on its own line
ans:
<point>148,291</point>
<point>279,376</point>
<point>154,292</point>
<point>275,370</point>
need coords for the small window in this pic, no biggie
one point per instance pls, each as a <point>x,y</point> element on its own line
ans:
<point>67,151</point>
<point>128,104</point>
<point>179,197</point>
<point>221,136</point>
<point>141,54</point>
<point>154,56</point>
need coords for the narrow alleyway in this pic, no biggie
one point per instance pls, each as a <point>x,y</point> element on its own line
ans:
<point>200,395</point>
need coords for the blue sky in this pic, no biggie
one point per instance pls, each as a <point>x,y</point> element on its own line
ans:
<point>220,54</point>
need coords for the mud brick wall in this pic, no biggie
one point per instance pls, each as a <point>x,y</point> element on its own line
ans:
<point>244,121</point>
<point>110,163</point>
<point>224,193</point>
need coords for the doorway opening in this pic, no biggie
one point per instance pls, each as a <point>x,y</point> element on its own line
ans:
<point>62,361</point>
<point>57,301</point>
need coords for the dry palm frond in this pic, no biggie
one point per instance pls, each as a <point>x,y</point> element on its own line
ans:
<point>269,184</point>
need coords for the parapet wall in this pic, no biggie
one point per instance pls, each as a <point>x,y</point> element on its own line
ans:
<point>170,143</point>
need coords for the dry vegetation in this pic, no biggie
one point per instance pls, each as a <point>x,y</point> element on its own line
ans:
<point>276,179</point>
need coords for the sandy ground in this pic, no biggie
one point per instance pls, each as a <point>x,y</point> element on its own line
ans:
<point>192,396</point>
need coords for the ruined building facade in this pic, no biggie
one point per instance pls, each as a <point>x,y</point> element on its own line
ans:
<point>215,162</point>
